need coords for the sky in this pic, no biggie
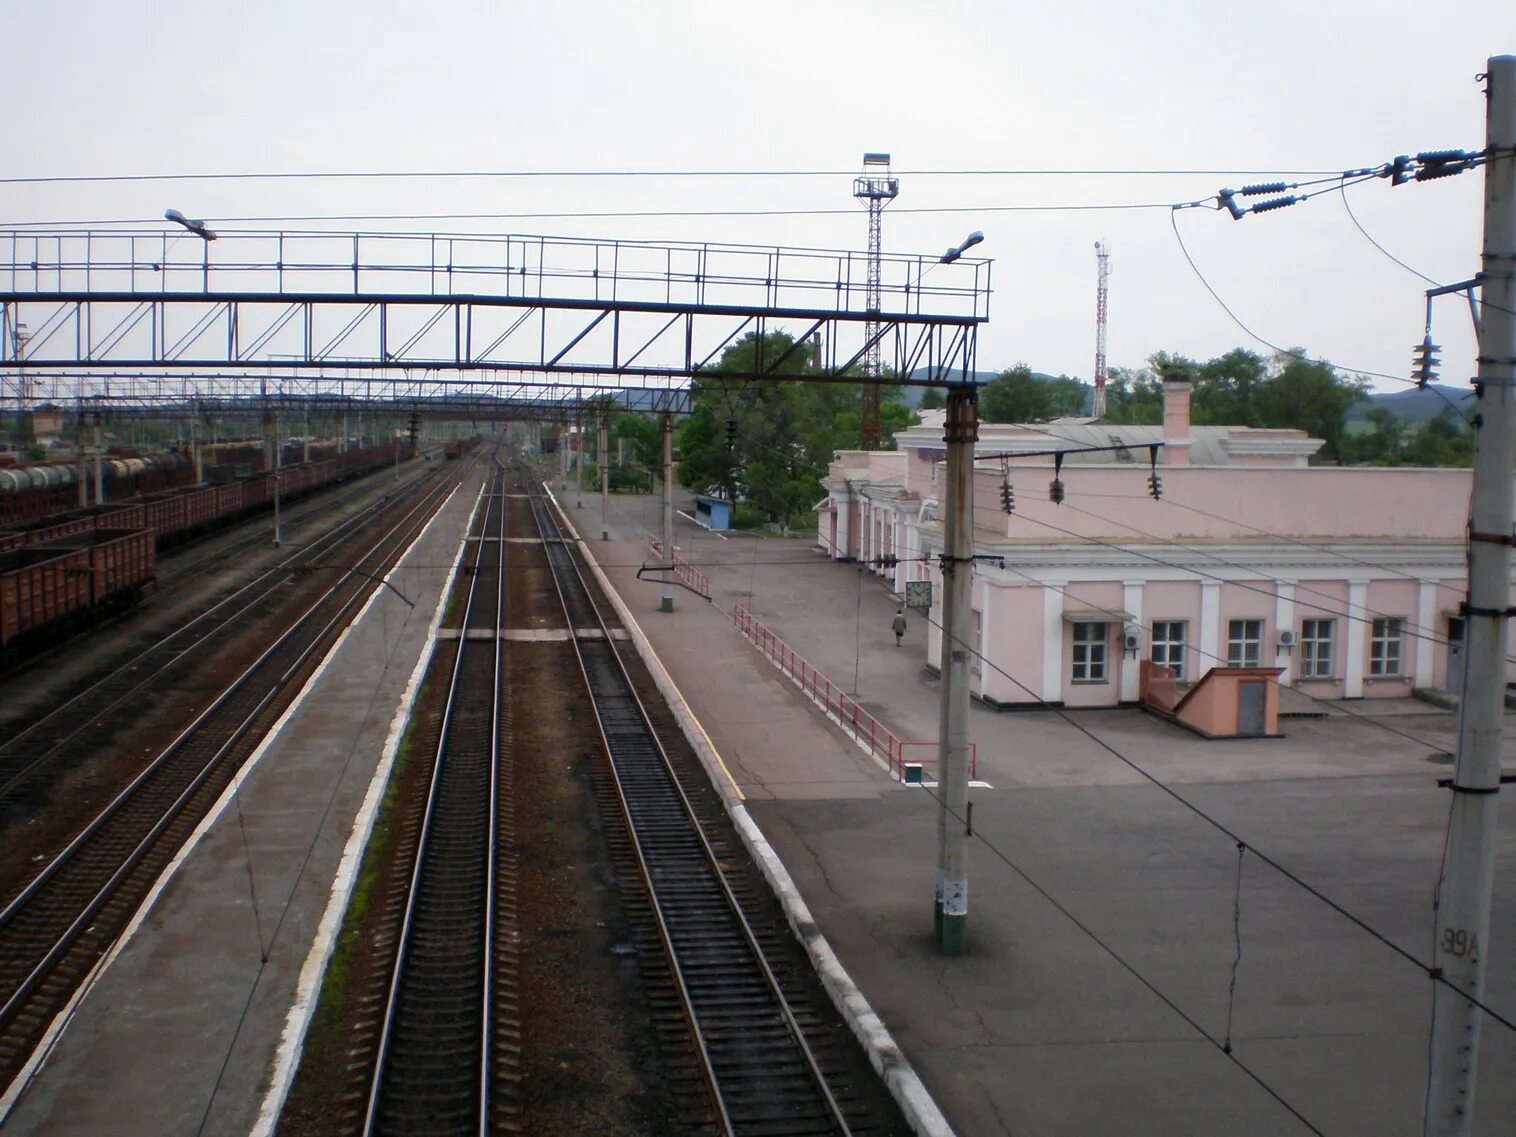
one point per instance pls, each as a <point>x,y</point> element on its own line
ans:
<point>121,88</point>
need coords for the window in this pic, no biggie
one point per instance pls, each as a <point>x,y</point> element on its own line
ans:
<point>1316,649</point>
<point>1168,645</point>
<point>1089,652</point>
<point>1384,647</point>
<point>1244,641</point>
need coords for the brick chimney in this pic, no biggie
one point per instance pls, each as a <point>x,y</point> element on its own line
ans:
<point>1176,419</point>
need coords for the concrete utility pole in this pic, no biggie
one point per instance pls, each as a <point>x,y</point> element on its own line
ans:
<point>960,432</point>
<point>667,603</point>
<point>99,462</point>
<point>579,460</point>
<point>83,475</point>
<point>563,457</point>
<point>602,447</point>
<point>1463,916</point>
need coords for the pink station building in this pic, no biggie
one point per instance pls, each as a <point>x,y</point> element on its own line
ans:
<point>1347,580</point>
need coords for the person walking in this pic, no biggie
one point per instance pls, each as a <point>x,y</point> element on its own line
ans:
<point>899,625</point>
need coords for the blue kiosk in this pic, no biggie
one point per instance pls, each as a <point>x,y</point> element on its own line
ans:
<point>715,513</point>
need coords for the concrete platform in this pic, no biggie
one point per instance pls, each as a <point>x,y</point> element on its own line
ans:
<point>178,1035</point>
<point>1052,1026</point>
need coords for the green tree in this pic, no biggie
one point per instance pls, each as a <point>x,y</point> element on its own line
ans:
<point>1308,394</point>
<point>1016,395</point>
<point>1441,441</point>
<point>1133,396</point>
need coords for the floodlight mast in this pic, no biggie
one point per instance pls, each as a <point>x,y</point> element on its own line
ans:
<point>876,189</point>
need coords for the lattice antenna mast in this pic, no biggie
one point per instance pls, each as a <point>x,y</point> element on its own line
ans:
<point>876,189</point>
<point>1103,258</point>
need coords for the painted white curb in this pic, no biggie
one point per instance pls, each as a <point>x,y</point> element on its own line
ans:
<point>23,1080</point>
<point>904,1084</point>
<point>308,988</point>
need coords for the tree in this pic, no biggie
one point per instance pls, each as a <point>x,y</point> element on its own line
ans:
<point>1441,441</point>
<point>1308,394</point>
<point>768,444</point>
<point>1016,395</point>
<point>1133,396</point>
<point>933,398</point>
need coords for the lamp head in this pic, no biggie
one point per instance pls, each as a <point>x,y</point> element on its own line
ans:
<point>196,227</point>
<point>954,253</point>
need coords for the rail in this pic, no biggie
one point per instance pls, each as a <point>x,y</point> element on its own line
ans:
<point>434,1046</point>
<point>757,1061</point>
<point>865,729</point>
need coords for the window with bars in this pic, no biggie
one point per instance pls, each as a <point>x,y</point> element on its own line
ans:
<point>1168,644</point>
<point>1384,646</point>
<point>1244,643</point>
<point>1316,649</point>
<point>1090,642</point>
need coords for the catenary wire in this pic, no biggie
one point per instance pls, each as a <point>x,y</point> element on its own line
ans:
<point>396,175</point>
<point>1158,783</point>
<point>1131,969</point>
<point>1346,613</point>
<point>1174,224</point>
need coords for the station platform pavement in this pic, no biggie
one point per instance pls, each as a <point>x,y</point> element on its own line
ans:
<point>1105,917</point>
<point>178,1035</point>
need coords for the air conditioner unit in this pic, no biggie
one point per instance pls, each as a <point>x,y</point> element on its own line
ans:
<point>1131,640</point>
<point>1286,638</point>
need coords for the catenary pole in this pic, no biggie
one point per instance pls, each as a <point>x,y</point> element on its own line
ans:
<point>602,447</point>
<point>960,432</point>
<point>667,602</point>
<point>1463,911</point>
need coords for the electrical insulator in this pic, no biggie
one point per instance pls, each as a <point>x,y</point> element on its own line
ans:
<point>1441,163</point>
<point>1055,491</point>
<point>1155,485</point>
<point>731,434</point>
<point>1007,497</point>
<point>1262,188</point>
<point>1426,361</point>
<point>1276,203</point>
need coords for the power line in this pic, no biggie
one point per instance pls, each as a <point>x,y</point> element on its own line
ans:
<point>1158,783</point>
<point>624,214</point>
<point>1359,225</point>
<point>1174,224</point>
<point>1429,633</point>
<point>1225,1048</point>
<point>398,175</point>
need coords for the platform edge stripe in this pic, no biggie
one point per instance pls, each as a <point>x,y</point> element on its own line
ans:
<point>900,1078</point>
<point>298,1019</point>
<point>60,1022</point>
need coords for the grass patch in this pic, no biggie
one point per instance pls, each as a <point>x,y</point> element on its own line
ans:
<point>326,1026</point>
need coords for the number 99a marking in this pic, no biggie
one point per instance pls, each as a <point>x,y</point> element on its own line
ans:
<point>1460,943</point>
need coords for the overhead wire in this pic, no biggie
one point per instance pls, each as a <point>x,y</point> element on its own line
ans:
<point>1222,828</point>
<point>395,175</point>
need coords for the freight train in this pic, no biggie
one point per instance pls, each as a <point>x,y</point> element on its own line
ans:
<point>63,572</point>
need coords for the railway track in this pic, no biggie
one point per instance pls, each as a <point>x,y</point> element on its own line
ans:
<point>761,1071</point>
<point>54,929</point>
<point>433,1074</point>
<point>74,724</point>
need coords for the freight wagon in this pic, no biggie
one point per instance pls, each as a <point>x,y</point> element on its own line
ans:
<point>61,573</point>
<point>50,588</point>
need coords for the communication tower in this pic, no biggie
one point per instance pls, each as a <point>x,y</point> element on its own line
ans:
<point>1103,258</point>
<point>876,189</point>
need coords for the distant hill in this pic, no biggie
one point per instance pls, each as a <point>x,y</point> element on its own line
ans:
<point>1416,406</point>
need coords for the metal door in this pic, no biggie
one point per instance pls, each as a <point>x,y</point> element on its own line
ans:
<point>1251,698</point>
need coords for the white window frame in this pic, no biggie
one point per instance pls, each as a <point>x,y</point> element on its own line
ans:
<point>1169,649</point>
<point>1239,641</point>
<point>1092,645</point>
<point>1387,647</point>
<point>1316,655</point>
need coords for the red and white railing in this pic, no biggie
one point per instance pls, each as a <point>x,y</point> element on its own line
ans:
<point>692,578</point>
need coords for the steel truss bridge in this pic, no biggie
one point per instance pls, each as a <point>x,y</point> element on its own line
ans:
<point>474,326</point>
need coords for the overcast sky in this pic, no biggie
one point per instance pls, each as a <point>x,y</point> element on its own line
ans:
<point>121,88</point>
